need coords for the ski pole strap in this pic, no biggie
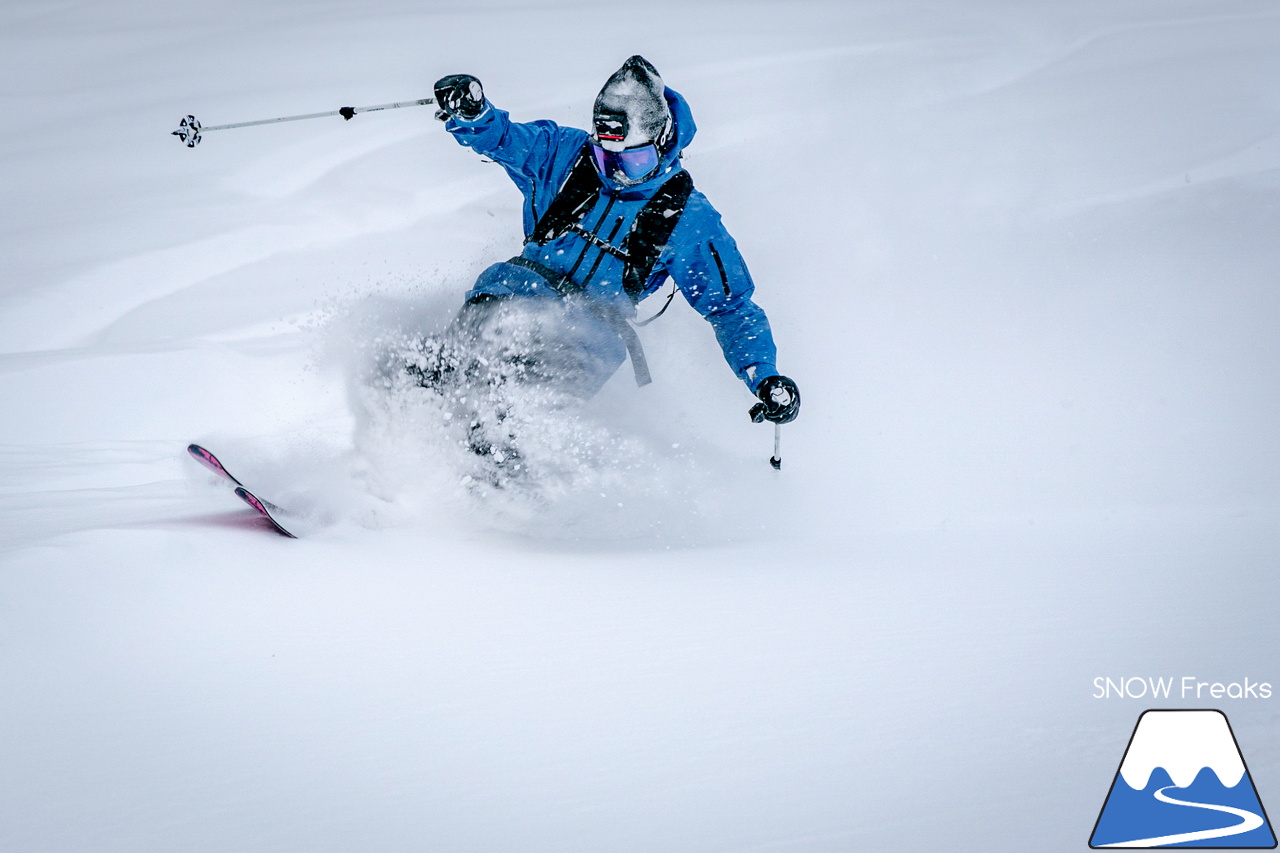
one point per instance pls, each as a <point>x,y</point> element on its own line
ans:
<point>567,287</point>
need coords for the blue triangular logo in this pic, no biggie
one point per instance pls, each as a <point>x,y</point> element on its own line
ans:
<point>1183,783</point>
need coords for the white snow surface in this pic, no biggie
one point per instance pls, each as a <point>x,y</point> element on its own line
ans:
<point>1021,259</point>
<point>1183,743</point>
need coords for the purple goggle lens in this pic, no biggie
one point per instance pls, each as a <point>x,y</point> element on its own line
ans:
<point>635,163</point>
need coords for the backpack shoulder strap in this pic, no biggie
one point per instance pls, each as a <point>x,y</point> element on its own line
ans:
<point>575,197</point>
<point>649,232</point>
<point>652,230</point>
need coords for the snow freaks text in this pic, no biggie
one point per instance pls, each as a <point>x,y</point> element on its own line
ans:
<point>1186,687</point>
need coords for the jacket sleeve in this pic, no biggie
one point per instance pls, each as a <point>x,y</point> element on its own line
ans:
<point>536,155</point>
<point>710,272</point>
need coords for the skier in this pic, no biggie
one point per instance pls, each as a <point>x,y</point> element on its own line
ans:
<point>608,217</point>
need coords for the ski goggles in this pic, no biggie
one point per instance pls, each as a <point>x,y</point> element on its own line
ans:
<point>635,163</point>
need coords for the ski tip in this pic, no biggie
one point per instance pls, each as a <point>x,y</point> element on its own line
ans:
<point>264,509</point>
<point>208,460</point>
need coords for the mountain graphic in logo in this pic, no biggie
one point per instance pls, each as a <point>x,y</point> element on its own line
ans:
<point>1183,783</point>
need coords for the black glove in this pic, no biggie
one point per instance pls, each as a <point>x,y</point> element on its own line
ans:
<point>459,95</point>
<point>780,401</point>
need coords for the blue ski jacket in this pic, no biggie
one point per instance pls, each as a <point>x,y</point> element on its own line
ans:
<point>701,257</point>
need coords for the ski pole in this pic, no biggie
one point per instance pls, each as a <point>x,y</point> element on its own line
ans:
<point>190,131</point>
<point>776,459</point>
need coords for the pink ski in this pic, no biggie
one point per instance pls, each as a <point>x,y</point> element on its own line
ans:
<point>264,508</point>
<point>268,510</point>
<point>211,462</point>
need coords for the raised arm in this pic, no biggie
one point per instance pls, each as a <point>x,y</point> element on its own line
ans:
<point>536,155</point>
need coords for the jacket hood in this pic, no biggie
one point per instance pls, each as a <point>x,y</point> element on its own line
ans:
<point>685,128</point>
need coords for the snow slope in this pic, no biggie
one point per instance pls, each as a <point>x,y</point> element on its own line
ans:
<point>1021,259</point>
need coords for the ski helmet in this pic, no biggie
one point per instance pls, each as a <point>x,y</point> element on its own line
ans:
<point>631,113</point>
